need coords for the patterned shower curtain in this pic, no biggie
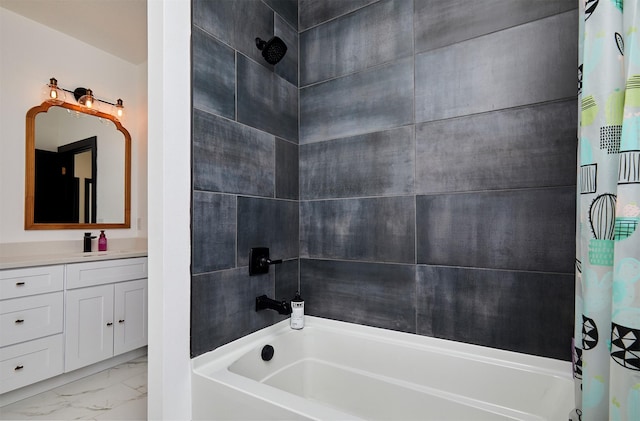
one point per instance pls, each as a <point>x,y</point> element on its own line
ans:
<point>606,348</point>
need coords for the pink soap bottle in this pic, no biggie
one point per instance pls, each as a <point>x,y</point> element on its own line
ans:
<point>102,241</point>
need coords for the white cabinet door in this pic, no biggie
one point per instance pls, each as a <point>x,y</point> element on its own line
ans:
<point>89,326</point>
<point>130,316</point>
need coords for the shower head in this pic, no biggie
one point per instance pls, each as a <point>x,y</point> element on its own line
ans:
<point>272,50</point>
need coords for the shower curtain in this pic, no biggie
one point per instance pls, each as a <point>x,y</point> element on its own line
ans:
<point>606,351</point>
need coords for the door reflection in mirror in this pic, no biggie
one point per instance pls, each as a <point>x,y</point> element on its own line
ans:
<point>66,182</point>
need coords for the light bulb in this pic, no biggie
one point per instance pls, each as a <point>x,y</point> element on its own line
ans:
<point>52,93</point>
<point>88,101</point>
<point>119,108</point>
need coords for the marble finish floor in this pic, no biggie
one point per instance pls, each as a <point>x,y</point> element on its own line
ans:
<point>119,393</point>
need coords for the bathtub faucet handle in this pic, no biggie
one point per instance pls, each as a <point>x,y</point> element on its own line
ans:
<point>266,262</point>
<point>259,261</point>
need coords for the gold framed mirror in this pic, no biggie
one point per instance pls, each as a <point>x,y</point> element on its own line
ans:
<point>78,169</point>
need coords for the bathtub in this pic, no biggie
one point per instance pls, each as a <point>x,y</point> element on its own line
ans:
<point>333,370</point>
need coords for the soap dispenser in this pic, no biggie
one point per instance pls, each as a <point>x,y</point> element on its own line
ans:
<point>102,241</point>
<point>297,312</point>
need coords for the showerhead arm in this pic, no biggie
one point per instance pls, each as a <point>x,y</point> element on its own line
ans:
<point>260,43</point>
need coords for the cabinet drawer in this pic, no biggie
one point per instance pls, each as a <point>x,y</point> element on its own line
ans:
<point>29,281</point>
<point>30,362</point>
<point>23,319</point>
<point>81,275</point>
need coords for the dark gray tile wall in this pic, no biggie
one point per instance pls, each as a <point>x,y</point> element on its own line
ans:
<point>374,164</point>
<point>287,186</point>
<point>373,294</point>
<point>236,23</point>
<point>379,229</point>
<point>448,210</point>
<point>513,229</point>
<point>229,157</point>
<point>288,66</point>
<point>214,231</point>
<point>434,18</point>
<point>518,311</point>
<point>222,307</point>
<point>287,279</point>
<point>379,33</point>
<point>266,101</point>
<point>434,182</point>
<point>313,12</point>
<point>531,148</point>
<point>267,223</point>
<point>517,66</point>
<point>213,75</point>
<point>245,179</point>
<point>375,99</point>
<point>288,9</point>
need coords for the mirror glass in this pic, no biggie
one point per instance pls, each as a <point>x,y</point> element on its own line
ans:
<point>78,169</point>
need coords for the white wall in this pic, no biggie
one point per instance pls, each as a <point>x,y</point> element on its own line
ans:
<point>169,29</point>
<point>30,54</point>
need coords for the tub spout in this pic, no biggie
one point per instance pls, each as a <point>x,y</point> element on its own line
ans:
<point>281,307</point>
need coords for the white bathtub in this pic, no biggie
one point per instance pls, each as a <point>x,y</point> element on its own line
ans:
<point>337,371</point>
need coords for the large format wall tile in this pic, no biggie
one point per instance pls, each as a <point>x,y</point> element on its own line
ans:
<point>530,229</point>
<point>266,101</point>
<point>223,307</point>
<point>213,230</point>
<point>440,23</point>
<point>229,157</point>
<point>288,66</point>
<point>518,311</point>
<point>375,99</point>
<point>214,75</point>
<point>373,35</point>
<point>374,164</point>
<point>313,12</point>
<point>288,9</point>
<point>236,23</point>
<point>379,229</point>
<point>267,223</point>
<point>516,148</point>
<point>372,294</point>
<point>287,279</point>
<point>536,63</point>
<point>286,170</point>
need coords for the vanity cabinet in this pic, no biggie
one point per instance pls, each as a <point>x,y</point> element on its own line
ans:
<point>31,325</point>
<point>106,318</point>
<point>56,319</point>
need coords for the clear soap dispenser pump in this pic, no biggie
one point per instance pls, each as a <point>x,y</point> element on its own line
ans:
<point>297,312</point>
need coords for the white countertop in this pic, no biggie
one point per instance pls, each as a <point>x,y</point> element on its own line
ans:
<point>19,255</point>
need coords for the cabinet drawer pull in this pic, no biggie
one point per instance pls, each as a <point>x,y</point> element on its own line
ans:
<point>19,284</point>
<point>19,321</point>
<point>121,321</point>
<point>20,367</point>
<point>109,324</point>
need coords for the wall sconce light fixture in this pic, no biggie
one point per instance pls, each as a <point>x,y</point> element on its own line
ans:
<point>84,97</point>
<point>55,94</point>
